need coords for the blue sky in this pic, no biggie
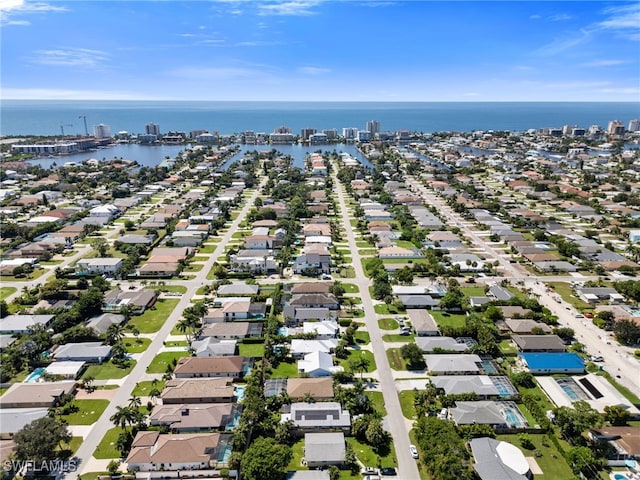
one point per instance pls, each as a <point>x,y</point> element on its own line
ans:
<point>321,50</point>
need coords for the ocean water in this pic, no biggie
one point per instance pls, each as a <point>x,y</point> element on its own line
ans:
<point>45,117</point>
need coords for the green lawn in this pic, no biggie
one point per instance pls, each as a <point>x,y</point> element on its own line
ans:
<point>350,288</point>
<point>255,350</point>
<point>347,272</point>
<point>551,462</point>
<point>193,267</point>
<point>162,360</point>
<point>108,370</point>
<point>92,475</point>
<point>353,354</point>
<point>107,446</point>
<point>207,248</point>
<point>362,338</point>
<point>200,258</point>
<point>142,389</point>
<point>152,319</point>
<point>286,370</point>
<point>6,291</point>
<point>176,343</point>
<point>564,290</point>
<point>451,319</point>
<point>388,324</point>
<point>170,288</point>
<point>507,347</point>
<point>406,404</point>
<point>136,345</point>
<point>397,338</point>
<point>367,456</point>
<point>473,291</point>
<point>377,400</point>
<point>395,359</point>
<point>88,412</point>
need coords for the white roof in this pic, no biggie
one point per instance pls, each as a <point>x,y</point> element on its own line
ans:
<point>67,368</point>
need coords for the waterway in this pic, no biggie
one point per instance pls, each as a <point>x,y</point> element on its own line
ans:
<point>152,155</point>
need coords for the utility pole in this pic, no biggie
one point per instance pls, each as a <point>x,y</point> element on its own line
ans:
<point>86,130</point>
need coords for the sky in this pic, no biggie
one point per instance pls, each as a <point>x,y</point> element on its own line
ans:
<point>317,50</point>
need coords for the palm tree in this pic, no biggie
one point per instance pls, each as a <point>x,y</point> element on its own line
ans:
<point>124,416</point>
<point>135,402</point>
<point>115,333</point>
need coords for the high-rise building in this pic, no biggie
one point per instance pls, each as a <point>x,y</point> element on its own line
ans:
<point>373,127</point>
<point>152,129</point>
<point>102,131</point>
<point>349,133</point>
<point>634,125</point>
<point>305,133</point>
<point>615,127</point>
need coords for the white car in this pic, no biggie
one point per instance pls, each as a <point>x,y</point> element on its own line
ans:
<point>413,450</point>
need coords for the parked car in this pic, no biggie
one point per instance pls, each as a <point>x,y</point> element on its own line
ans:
<point>372,477</point>
<point>388,471</point>
<point>369,471</point>
<point>413,450</point>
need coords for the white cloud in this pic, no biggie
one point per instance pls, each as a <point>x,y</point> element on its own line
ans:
<point>20,6</point>
<point>308,70</point>
<point>535,17</point>
<point>561,44</point>
<point>290,8</point>
<point>69,57</point>
<point>9,9</point>
<point>604,63</point>
<point>622,18</point>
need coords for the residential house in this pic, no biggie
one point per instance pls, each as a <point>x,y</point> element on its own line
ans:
<point>198,390</point>
<point>301,347</point>
<point>317,417</point>
<point>36,394</point>
<point>137,301</point>
<point>539,343</point>
<point>453,364</point>
<point>324,449</point>
<point>429,344</point>
<point>213,347</point>
<point>152,451</point>
<point>93,352</point>
<point>99,266</point>
<point>14,324</point>
<point>232,330</point>
<point>423,323</point>
<point>482,412</point>
<point>193,417</point>
<point>319,389</point>
<point>498,460</point>
<point>552,363</point>
<point>318,364</point>
<point>210,367</point>
<point>323,330</point>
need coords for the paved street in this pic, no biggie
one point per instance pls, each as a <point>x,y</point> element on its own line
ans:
<point>395,421</point>
<point>619,360</point>
<point>100,428</point>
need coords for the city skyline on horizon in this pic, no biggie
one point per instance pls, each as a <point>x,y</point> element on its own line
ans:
<point>321,51</point>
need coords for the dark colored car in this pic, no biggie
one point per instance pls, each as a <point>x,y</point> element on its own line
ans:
<point>388,471</point>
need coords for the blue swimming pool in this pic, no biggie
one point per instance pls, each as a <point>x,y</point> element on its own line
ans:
<point>35,375</point>
<point>619,476</point>
<point>513,418</point>
<point>240,392</point>
<point>570,393</point>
